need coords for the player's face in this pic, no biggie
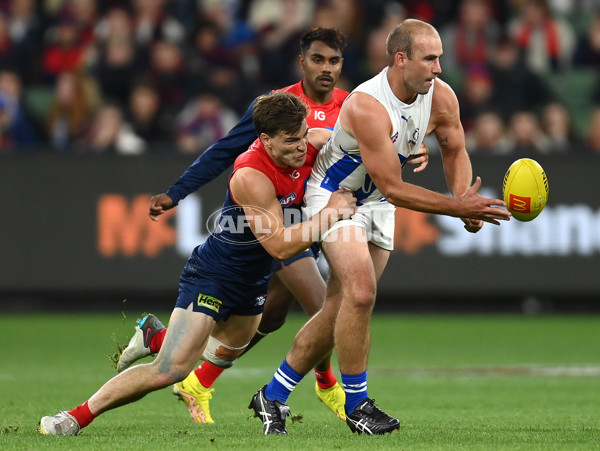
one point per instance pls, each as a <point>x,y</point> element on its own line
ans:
<point>322,67</point>
<point>424,65</point>
<point>288,150</point>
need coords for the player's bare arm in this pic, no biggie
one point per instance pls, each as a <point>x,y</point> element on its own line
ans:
<point>383,165</point>
<point>445,124</point>
<point>254,191</point>
<point>318,137</point>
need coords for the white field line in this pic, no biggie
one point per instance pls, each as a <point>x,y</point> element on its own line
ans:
<point>483,371</point>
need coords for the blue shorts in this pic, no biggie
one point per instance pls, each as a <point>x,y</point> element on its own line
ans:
<point>220,298</point>
<point>313,251</point>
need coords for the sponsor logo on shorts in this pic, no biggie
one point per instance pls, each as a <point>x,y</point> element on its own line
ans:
<point>260,300</point>
<point>209,302</point>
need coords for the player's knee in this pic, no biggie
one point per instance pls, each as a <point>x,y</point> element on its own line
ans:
<point>363,298</point>
<point>220,354</point>
<point>166,373</point>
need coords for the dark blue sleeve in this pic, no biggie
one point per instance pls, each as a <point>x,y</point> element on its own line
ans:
<point>216,159</point>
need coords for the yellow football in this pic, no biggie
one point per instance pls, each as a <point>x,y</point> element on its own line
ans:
<point>525,189</point>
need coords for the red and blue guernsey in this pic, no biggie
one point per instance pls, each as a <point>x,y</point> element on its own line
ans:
<point>229,272</point>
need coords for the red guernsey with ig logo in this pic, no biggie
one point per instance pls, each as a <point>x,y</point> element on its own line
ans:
<point>520,204</point>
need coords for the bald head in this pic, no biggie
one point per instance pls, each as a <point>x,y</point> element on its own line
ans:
<point>402,37</point>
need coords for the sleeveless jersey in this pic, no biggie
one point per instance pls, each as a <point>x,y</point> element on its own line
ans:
<point>339,164</point>
<point>324,115</point>
<point>232,251</point>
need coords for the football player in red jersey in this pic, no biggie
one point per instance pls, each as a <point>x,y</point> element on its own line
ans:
<point>294,279</point>
<point>224,282</point>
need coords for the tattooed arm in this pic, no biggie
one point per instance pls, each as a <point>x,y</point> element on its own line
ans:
<point>445,123</point>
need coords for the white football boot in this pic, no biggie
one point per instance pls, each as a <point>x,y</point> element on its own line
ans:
<point>62,423</point>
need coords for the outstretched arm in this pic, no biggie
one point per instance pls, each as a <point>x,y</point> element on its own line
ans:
<point>367,120</point>
<point>446,125</point>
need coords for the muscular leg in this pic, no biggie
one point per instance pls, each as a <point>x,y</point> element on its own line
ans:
<point>236,332</point>
<point>358,266</point>
<point>315,339</point>
<point>182,348</point>
<point>355,268</point>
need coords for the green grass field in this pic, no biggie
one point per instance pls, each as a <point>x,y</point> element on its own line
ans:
<point>455,382</point>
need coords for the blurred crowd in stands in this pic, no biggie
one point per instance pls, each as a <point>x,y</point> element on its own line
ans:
<point>148,76</point>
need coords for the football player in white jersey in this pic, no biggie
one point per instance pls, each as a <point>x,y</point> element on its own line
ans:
<point>371,140</point>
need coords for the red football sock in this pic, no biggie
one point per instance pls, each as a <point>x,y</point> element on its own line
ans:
<point>82,414</point>
<point>207,373</point>
<point>325,379</point>
<point>157,340</point>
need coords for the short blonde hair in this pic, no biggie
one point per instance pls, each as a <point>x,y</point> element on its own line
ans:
<point>401,37</point>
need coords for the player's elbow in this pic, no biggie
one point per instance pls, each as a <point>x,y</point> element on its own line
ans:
<point>389,189</point>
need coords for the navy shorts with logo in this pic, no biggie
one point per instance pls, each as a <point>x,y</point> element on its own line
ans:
<point>220,298</point>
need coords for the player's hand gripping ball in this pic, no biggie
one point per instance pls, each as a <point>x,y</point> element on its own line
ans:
<point>525,189</point>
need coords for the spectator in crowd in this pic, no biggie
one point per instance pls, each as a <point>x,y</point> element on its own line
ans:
<point>475,94</point>
<point>547,42</point>
<point>117,67</point>
<point>279,25</point>
<point>217,69</point>
<point>236,36</point>
<point>346,17</point>
<point>239,43</point>
<point>144,115</point>
<point>25,30</point>
<point>9,53</point>
<point>71,111</point>
<point>514,86</point>
<point>152,23</point>
<point>472,39</point>
<point>204,121</point>
<point>169,73</point>
<point>558,126</point>
<point>488,135</point>
<point>23,23</point>
<point>593,131</point>
<point>65,50</point>
<point>525,135</point>
<point>85,16</point>
<point>108,133</point>
<point>587,52</point>
<point>17,129</point>
<point>115,24</point>
<point>375,54</point>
